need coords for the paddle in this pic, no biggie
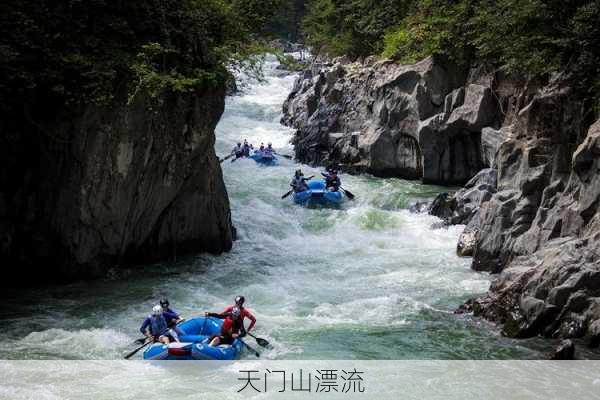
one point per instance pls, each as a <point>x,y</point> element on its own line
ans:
<point>261,342</point>
<point>284,155</point>
<point>128,356</point>
<point>348,193</point>
<point>227,157</point>
<point>256,353</point>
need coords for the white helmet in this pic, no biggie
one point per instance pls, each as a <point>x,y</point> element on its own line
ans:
<point>157,310</point>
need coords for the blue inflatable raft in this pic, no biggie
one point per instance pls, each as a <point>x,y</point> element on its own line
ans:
<point>264,158</point>
<point>317,194</point>
<point>194,343</point>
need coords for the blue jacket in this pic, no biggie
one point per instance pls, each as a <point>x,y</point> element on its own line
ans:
<point>158,325</point>
<point>170,316</point>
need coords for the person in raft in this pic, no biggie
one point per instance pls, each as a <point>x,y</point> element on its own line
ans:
<point>332,180</point>
<point>299,181</point>
<point>171,316</point>
<point>156,329</point>
<point>233,324</point>
<point>269,150</point>
<point>238,150</point>
<point>246,148</point>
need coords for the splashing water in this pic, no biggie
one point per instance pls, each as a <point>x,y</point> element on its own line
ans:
<point>367,281</point>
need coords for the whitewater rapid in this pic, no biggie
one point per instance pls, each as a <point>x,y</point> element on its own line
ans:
<point>368,281</point>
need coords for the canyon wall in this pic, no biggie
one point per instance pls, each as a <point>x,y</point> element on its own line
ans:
<point>124,183</point>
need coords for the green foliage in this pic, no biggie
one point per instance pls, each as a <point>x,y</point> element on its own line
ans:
<point>71,52</point>
<point>539,37</point>
<point>433,27</point>
<point>351,27</point>
<point>531,37</point>
<point>287,20</point>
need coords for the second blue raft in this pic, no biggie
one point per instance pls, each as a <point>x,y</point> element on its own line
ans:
<point>194,343</point>
<point>264,158</point>
<point>317,194</point>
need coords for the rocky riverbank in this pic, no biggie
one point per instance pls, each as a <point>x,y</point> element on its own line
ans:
<point>112,185</point>
<point>431,120</point>
<point>527,151</point>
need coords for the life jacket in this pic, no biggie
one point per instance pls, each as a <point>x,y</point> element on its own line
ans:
<point>299,184</point>
<point>158,325</point>
<point>227,329</point>
<point>331,180</point>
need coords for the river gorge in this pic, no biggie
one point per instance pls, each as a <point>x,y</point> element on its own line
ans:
<point>371,280</point>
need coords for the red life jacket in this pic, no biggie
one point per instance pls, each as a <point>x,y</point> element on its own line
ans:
<point>229,327</point>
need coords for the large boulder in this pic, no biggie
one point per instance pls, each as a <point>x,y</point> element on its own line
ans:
<point>119,184</point>
<point>465,203</point>
<point>464,206</point>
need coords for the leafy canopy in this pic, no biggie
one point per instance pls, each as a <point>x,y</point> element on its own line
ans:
<point>532,37</point>
<point>80,51</point>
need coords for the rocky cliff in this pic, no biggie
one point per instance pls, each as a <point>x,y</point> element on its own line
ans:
<point>112,185</point>
<point>527,150</point>
<point>430,121</point>
<point>541,230</point>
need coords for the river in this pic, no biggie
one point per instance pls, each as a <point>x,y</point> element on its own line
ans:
<point>368,281</point>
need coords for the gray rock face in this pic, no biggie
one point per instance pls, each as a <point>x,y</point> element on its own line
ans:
<point>464,208</point>
<point>542,231</point>
<point>125,184</point>
<point>537,183</point>
<point>429,121</point>
<point>412,121</point>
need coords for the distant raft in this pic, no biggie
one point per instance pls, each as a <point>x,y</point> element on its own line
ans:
<point>317,194</point>
<point>264,158</point>
<point>194,344</point>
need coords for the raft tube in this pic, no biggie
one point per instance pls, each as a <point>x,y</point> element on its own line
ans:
<point>194,343</point>
<point>263,158</point>
<point>317,194</point>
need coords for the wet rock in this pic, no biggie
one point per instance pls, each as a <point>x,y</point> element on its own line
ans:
<point>564,351</point>
<point>464,204</point>
<point>593,334</point>
<point>443,206</point>
<point>465,308</point>
<point>419,207</point>
<point>466,244</point>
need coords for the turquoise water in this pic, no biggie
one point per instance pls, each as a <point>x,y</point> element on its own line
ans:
<point>368,281</point>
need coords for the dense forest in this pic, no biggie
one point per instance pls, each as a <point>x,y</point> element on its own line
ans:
<point>74,50</point>
<point>78,51</point>
<point>531,37</point>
